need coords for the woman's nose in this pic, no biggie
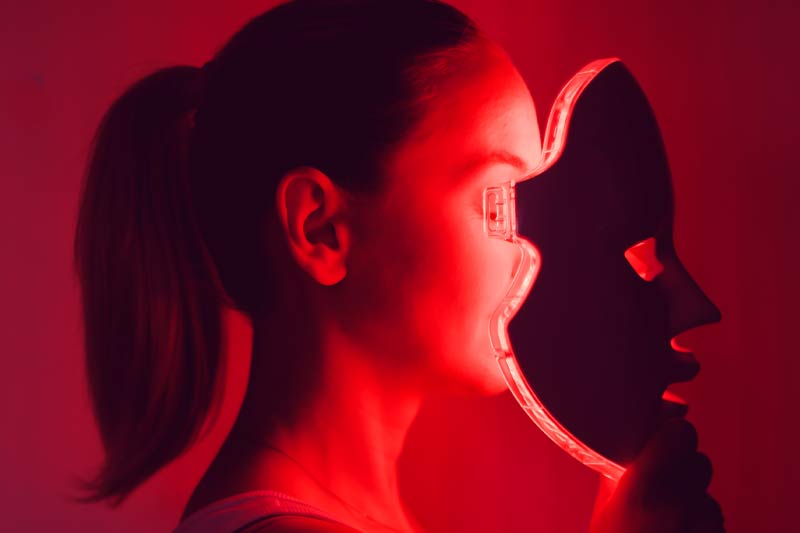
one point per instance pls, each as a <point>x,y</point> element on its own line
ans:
<point>689,305</point>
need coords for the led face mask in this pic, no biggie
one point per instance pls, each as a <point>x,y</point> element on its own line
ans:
<point>586,349</point>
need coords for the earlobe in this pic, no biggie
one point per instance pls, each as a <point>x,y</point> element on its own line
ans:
<point>312,209</point>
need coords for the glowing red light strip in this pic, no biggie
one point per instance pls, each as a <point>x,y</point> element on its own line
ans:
<point>554,142</point>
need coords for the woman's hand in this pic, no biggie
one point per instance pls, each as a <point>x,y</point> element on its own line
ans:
<point>664,490</point>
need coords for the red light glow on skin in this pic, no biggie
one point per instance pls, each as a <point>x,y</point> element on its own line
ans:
<point>446,277</point>
<point>397,289</point>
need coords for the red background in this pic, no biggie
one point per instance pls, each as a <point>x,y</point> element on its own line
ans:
<point>721,77</point>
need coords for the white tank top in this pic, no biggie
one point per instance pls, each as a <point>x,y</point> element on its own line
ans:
<point>235,513</point>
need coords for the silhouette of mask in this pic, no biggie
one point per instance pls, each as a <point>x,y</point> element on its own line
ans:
<point>590,350</point>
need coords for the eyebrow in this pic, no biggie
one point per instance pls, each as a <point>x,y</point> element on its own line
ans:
<point>502,156</point>
<point>498,156</point>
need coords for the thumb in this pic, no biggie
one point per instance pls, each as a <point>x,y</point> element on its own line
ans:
<point>604,492</point>
<point>675,439</point>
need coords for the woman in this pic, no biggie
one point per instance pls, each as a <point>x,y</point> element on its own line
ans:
<point>322,174</point>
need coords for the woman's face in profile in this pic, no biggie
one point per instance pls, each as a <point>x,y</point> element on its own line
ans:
<point>423,276</point>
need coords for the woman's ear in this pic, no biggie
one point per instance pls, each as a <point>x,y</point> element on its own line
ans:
<point>312,212</point>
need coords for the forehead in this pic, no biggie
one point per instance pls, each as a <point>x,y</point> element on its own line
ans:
<point>479,120</point>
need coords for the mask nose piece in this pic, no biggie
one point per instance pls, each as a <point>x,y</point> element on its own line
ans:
<point>691,307</point>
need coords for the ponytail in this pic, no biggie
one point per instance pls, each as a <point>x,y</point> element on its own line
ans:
<point>333,85</point>
<point>150,299</point>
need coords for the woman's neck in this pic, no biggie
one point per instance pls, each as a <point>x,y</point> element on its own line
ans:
<point>338,419</point>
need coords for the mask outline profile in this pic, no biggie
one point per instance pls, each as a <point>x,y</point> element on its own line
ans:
<point>527,271</point>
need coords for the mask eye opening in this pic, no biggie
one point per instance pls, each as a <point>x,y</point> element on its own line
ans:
<point>499,211</point>
<point>643,259</point>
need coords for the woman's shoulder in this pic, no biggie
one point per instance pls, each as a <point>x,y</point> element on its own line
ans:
<point>261,511</point>
<point>297,524</point>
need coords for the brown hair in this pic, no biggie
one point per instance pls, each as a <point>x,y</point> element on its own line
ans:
<point>169,226</point>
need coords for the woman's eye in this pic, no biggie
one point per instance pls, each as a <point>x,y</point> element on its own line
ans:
<point>642,257</point>
<point>477,208</point>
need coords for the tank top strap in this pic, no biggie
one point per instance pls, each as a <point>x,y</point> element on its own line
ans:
<point>236,513</point>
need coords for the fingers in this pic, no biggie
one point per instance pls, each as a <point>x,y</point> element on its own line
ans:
<point>665,488</point>
<point>698,473</point>
<point>667,449</point>
<point>604,491</point>
<point>705,516</point>
<point>683,481</point>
